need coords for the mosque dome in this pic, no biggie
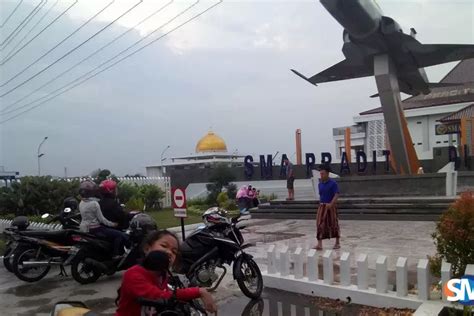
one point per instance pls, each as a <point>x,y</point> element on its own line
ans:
<point>211,143</point>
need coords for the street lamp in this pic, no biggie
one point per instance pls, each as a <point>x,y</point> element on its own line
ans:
<point>40,155</point>
<point>161,159</point>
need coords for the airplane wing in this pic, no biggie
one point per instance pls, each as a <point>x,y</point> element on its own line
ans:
<point>340,71</point>
<point>434,54</point>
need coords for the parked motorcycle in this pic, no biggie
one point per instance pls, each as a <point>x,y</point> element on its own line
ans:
<point>218,243</point>
<point>91,257</point>
<point>35,251</point>
<point>19,224</point>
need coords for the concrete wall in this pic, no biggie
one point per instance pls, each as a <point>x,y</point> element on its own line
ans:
<point>465,181</point>
<point>433,184</point>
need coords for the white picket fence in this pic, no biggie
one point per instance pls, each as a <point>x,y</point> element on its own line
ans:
<point>163,182</point>
<point>5,223</point>
<point>279,276</point>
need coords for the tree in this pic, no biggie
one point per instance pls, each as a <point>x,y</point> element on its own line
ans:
<point>221,177</point>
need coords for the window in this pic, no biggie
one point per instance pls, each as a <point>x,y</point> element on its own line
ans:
<point>420,144</point>
<point>438,142</point>
<point>418,122</point>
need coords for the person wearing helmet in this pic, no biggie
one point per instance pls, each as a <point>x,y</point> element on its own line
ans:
<point>109,205</point>
<point>92,217</point>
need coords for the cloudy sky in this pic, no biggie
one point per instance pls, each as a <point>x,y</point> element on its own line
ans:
<point>227,70</point>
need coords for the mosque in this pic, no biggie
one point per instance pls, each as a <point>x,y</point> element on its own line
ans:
<point>210,151</point>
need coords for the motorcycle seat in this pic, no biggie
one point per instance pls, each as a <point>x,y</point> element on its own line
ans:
<point>44,233</point>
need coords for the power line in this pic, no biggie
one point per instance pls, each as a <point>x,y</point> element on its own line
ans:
<point>103,63</point>
<point>13,12</point>
<point>72,50</point>
<point>7,58</point>
<point>22,22</point>
<point>62,41</point>
<point>24,25</point>
<point>129,55</point>
<point>86,58</point>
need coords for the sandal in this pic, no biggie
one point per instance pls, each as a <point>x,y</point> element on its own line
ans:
<point>318,248</point>
<point>336,247</point>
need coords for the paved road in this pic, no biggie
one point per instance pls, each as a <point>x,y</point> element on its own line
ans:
<point>393,239</point>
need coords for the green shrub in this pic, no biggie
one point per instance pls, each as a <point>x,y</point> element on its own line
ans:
<point>230,205</point>
<point>222,199</point>
<point>151,195</point>
<point>36,195</point>
<point>136,203</point>
<point>454,235</point>
<point>126,191</point>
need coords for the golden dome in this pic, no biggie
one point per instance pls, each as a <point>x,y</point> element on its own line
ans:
<point>211,143</point>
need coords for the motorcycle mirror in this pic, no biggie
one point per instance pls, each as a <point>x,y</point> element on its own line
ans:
<point>67,210</point>
<point>45,215</point>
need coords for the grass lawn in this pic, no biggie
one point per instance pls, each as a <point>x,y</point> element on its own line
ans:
<point>165,218</point>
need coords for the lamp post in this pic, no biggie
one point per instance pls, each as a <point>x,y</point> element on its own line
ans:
<point>40,155</point>
<point>161,159</point>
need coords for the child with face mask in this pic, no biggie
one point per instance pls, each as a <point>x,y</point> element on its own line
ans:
<point>150,279</point>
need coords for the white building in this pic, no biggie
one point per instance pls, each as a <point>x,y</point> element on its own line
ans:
<point>423,114</point>
<point>211,150</point>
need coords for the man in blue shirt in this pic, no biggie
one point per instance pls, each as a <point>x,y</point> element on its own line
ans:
<point>327,223</point>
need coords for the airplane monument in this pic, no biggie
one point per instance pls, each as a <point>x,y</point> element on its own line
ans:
<point>375,45</point>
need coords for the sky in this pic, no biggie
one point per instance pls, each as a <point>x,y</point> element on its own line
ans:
<point>227,70</point>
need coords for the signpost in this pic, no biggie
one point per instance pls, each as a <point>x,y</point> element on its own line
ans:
<point>179,205</point>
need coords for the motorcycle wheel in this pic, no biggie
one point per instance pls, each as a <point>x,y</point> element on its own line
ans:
<point>7,260</point>
<point>83,272</point>
<point>252,277</point>
<point>27,274</point>
<point>254,308</point>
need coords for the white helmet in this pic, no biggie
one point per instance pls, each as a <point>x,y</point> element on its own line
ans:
<point>215,215</point>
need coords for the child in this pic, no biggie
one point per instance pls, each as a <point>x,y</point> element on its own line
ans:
<point>141,281</point>
<point>92,217</point>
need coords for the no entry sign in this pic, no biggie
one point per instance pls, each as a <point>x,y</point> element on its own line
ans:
<point>179,202</point>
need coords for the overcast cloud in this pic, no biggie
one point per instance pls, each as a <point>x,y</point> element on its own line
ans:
<point>228,70</point>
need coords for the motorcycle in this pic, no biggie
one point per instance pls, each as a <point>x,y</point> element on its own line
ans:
<point>19,224</point>
<point>91,257</point>
<point>218,243</point>
<point>35,251</point>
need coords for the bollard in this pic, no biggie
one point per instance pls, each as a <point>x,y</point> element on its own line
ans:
<point>284,262</point>
<point>272,262</point>
<point>446,272</point>
<point>362,272</point>
<point>402,277</point>
<point>423,279</point>
<point>381,275</point>
<point>299,263</point>
<point>313,273</point>
<point>328,267</point>
<point>346,269</point>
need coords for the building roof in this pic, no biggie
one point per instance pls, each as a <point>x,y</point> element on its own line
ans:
<point>466,112</point>
<point>462,73</point>
<point>211,143</point>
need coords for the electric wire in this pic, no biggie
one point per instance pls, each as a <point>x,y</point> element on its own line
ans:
<point>62,41</point>
<point>127,56</point>
<point>86,58</point>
